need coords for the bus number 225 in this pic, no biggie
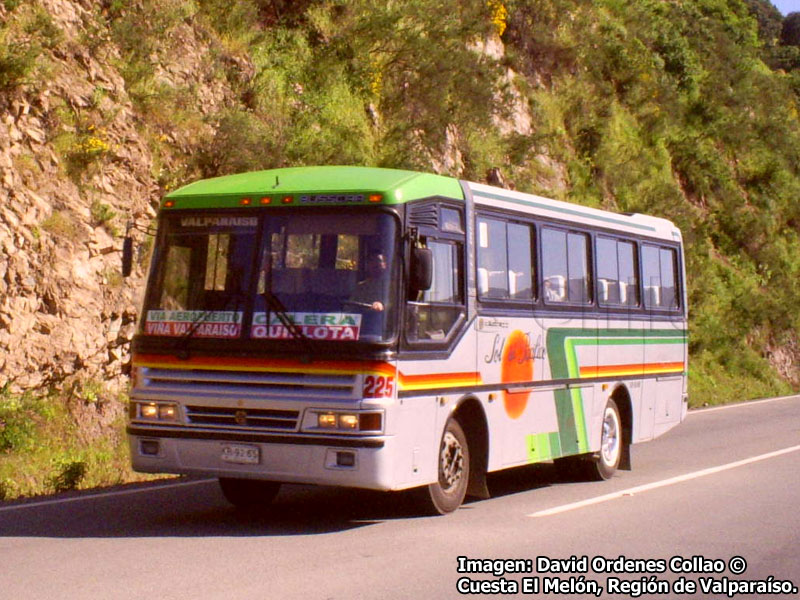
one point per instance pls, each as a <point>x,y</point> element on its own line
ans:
<point>378,386</point>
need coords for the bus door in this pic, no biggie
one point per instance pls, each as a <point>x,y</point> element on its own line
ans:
<point>510,340</point>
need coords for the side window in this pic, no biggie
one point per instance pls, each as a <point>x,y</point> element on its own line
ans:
<point>520,269</point>
<point>492,259</point>
<point>445,286</point>
<point>669,267</point>
<point>565,265</point>
<point>434,316</point>
<point>504,260</point>
<point>659,270</point>
<point>451,220</point>
<point>617,275</point>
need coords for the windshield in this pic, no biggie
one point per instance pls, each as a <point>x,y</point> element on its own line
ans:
<point>330,273</point>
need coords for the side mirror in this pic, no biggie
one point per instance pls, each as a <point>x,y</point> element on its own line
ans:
<point>421,275</point>
<point>127,256</point>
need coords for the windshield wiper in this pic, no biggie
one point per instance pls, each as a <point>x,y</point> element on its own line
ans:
<point>275,305</point>
<point>182,350</point>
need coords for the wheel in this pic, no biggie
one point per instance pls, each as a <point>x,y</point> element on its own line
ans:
<point>449,491</point>
<point>607,461</point>
<point>249,493</point>
<point>603,464</point>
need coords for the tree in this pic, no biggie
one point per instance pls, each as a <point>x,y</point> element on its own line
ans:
<point>790,35</point>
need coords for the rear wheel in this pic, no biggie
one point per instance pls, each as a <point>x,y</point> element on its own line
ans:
<point>447,494</point>
<point>249,494</point>
<point>607,461</point>
<point>604,463</point>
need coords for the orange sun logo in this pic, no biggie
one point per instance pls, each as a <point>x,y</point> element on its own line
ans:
<point>517,367</point>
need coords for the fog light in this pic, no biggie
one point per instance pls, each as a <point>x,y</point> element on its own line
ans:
<point>149,447</point>
<point>345,459</point>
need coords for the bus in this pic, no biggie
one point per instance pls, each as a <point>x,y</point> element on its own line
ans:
<point>388,330</point>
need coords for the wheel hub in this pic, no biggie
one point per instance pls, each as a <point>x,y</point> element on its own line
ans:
<point>452,461</point>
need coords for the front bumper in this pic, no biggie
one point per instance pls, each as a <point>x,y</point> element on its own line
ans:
<point>293,458</point>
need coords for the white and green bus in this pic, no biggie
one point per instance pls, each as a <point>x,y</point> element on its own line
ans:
<point>388,329</point>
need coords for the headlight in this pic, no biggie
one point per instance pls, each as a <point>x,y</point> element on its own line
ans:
<point>154,411</point>
<point>148,411</point>
<point>326,420</point>
<point>349,422</point>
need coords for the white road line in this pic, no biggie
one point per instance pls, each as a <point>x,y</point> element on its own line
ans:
<point>138,490</point>
<point>711,409</point>
<point>658,484</point>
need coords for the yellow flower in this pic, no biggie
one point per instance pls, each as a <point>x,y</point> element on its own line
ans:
<point>499,15</point>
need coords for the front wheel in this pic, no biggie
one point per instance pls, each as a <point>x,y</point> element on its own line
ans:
<point>447,494</point>
<point>249,494</point>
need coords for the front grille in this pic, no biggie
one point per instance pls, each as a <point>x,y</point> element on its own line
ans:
<point>260,401</point>
<point>255,418</point>
<point>245,384</point>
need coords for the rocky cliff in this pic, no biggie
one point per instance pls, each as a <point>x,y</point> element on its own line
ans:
<point>77,163</point>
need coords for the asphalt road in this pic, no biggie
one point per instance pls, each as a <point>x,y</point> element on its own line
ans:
<point>722,485</point>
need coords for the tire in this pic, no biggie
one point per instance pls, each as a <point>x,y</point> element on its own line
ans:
<point>249,494</point>
<point>603,464</point>
<point>611,441</point>
<point>448,493</point>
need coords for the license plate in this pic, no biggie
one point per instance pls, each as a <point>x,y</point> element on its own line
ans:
<point>240,454</point>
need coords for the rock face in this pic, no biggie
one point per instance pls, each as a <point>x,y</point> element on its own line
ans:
<point>75,167</point>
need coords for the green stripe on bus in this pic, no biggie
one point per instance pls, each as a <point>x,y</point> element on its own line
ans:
<point>563,359</point>
<point>543,446</point>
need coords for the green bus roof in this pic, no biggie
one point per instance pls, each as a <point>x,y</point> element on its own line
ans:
<point>317,184</point>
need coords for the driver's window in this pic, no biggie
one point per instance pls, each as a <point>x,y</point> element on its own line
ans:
<point>438,310</point>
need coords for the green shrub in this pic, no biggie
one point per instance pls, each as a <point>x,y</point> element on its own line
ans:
<point>69,474</point>
<point>62,224</point>
<point>17,61</point>
<point>16,424</point>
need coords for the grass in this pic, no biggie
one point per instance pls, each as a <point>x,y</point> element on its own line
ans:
<point>61,223</point>
<point>45,448</point>
<point>710,385</point>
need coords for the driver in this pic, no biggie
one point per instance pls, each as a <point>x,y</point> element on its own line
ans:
<point>370,292</point>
